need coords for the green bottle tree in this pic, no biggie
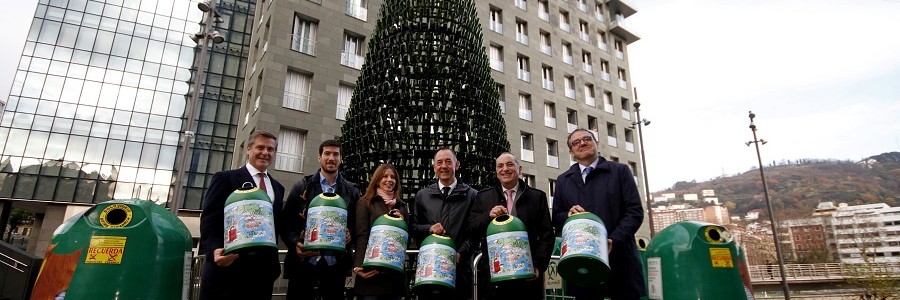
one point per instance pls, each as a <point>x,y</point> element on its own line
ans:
<point>426,83</point>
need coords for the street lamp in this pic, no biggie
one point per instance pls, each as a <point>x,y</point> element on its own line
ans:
<point>638,123</point>
<point>784,285</point>
<point>202,38</point>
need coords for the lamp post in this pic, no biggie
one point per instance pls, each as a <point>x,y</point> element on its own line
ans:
<point>784,285</point>
<point>640,130</point>
<point>202,38</point>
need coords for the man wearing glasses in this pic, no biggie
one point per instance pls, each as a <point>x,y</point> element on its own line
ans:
<point>606,189</point>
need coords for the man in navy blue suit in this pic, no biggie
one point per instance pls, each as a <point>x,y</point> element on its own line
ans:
<point>606,189</point>
<point>249,275</point>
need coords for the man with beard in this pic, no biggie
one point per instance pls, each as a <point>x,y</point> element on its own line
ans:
<point>249,275</point>
<point>516,198</point>
<point>323,269</point>
<point>442,208</point>
<point>606,189</point>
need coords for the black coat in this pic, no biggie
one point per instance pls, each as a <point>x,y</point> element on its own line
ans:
<point>293,220</point>
<point>611,194</point>
<point>385,283</point>
<point>212,228</point>
<point>531,207</point>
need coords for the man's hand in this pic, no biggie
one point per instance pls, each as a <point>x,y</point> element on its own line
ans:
<point>223,260</point>
<point>609,245</point>
<point>437,228</point>
<point>497,211</point>
<point>365,274</point>
<point>304,254</point>
<point>575,209</point>
<point>536,271</point>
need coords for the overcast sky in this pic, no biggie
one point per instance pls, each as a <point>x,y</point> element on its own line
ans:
<point>822,76</point>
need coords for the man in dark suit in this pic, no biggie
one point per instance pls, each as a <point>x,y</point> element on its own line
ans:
<point>606,189</point>
<point>323,269</point>
<point>249,275</point>
<point>516,198</point>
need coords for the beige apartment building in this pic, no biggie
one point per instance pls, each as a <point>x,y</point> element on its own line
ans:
<point>559,65</point>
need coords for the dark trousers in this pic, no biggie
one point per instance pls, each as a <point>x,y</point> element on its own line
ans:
<point>592,293</point>
<point>320,279</point>
<point>519,289</point>
<point>249,286</point>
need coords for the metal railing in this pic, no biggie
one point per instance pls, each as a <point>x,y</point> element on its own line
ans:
<point>824,272</point>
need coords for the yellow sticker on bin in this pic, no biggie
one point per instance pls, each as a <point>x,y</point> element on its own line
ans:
<point>106,250</point>
<point>721,258</point>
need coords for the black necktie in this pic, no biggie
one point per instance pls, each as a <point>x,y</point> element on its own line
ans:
<point>446,191</point>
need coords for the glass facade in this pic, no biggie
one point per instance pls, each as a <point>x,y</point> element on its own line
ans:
<point>100,95</point>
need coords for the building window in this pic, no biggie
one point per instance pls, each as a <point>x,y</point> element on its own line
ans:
<point>544,10</point>
<point>496,23</point>
<point>502,91</point>
<point>589,95</point>
<point>601,40</point>
<point>622,82</point>
<point>552,153</point>
<point>611,135</point>
<point>586,62</point>
<point>571,120</point>
<point>290,150</point>
<point>564,21</point>
<point>547,78</point>
<point>619,46</point>
<point>522,32</point>
<point>525,107</point>
<point>522,4</point>
<point>351,56</point>
<point>546,48</point>
<point>567,53</point>
<point>608,102</point>
<point>303,38</point>
<point>604,70</point>
<point>357,9</point>
<point>549,115</point>
<point>527,147</point>
<point>296,91</point>
<point>569,81</point>
<point>529,179</point>
<point>496,55</point>
<point>626,109</point>
<point>598,12</point>
<point>593,126</point>
<point>345,93</point>
<point>583,31</point>
<point>629,140</point>
<point>523,71</point>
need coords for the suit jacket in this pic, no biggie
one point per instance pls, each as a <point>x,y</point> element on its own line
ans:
<point>293,221</point>
<point>611,194</point>
<point>212,231</point>
<point>531,208</point>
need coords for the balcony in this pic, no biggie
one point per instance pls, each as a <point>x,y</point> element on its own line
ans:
<point>521,38</point>
<point>527,155</point>
<point>629,146</point>
<point>618,27</point>
<point>288,162</point>
<point>550,122</point>
<point>523,75</point>
<point>502,106</point>
<point>352,60</point>
<point>590,101</point>
<point>552,161</point>
<point>546,49</point>
<point>266,45</point>
<point>571,127</point>
<point>624,7</point>
<point>587,68</point>
<point>525,114</point>
<point>313,1</point>
<point>547,84</point>
<point>565,27</point>
<point>496,27</point>
<point>611,140</point>
<point>303,45</point>
<point>595,132</point>
<point>567,59</point>
<point>544,15</point>
<point>620,55</point>
<point>582,6</point>
<point>356,11</point>
<point>342,112</point>
<point>570,93</point>
<point>623,84</point>
<point>602,45</point>
<point>598,14</point>
<point>609,108</point>
<point>585,36</point>
<point>296,101</point>
<point>521,4</point>
<point>626,114</point>
<point>497,65</point>
<point>605,76</point>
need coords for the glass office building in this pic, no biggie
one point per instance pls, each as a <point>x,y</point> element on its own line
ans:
<point>100,96</point>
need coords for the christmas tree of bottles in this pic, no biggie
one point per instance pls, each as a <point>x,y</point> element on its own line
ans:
<point>425,84</point>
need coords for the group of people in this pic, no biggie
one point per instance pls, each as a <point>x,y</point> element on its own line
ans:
<point>447,207</point>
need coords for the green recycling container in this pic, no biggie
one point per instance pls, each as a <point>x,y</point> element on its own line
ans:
<point>509,252</point>
<point>249,220</point>
<point>642,244</point>
<point>388,239</point>
<point>694,260</point>
<point>119,249</point>
<point>436,265</point>
<point>584,253</point>
<point>554,285</point>
<point>326,223</point>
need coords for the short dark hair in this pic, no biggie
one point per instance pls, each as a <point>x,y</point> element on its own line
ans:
<point>569,137</point>
<point>448,149</point>
<point>329,143</point>
<point>258,134</point>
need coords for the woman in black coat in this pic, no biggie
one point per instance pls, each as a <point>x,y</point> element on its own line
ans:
<point>379,199</point>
